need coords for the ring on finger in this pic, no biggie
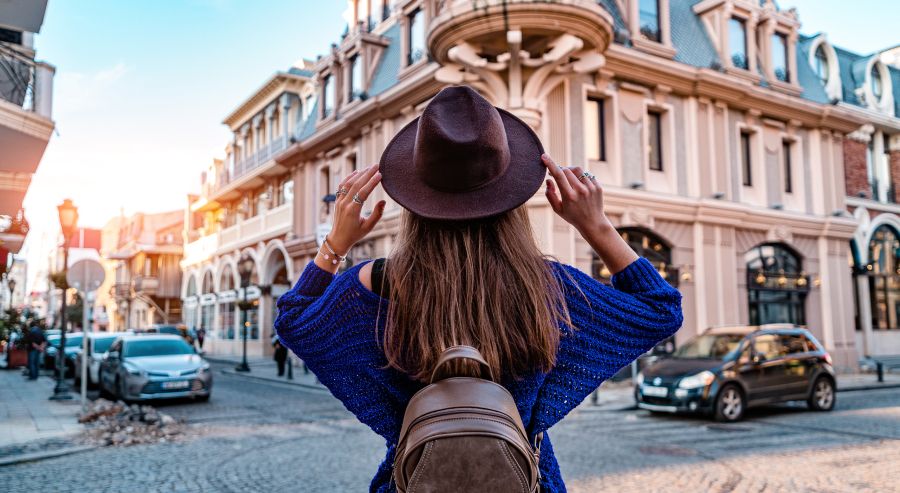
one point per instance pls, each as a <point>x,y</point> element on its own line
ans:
<point>343,190</point>
<point>357,199</point>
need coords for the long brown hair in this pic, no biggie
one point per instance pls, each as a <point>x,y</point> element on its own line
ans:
<point>480,282</point>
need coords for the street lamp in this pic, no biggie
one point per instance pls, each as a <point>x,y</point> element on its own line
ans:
<point>245,269</point>
<point>68,221</point>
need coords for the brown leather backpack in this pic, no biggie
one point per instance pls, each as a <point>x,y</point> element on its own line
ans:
<point>464,434</point>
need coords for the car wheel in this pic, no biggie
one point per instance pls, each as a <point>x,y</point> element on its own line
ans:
<point>730,404</point>
<point>822,396</point>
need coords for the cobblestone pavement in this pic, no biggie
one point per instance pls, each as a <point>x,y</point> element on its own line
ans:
<point>260,436</point>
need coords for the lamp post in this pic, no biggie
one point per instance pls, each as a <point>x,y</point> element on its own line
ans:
<point>245,270</point>
<point>68,220</point>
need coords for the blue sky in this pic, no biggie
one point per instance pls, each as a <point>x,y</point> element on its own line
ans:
<point>142,86</point>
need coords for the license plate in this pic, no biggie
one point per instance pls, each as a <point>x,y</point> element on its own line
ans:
<point>655,391</point>
<point>181,384</point>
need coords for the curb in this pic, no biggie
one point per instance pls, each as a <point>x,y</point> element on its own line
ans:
<point>37,456</point>
<point>868,387</point>
<point>320,388</point>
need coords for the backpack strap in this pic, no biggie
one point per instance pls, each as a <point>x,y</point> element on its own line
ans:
<point>461,352</point>
<point>379,279</point>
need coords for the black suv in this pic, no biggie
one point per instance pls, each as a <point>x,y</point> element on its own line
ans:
<point>728,369</point>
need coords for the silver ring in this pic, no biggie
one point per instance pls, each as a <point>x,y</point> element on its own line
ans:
<point>342,190</point>
<point>586,174</point>
<point>357,199</point>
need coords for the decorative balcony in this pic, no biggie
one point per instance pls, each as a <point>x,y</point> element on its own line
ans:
<point>265,225</point>
<point>512,47</point>
<point>147,285</point>
<point>246,170</point>
<point>121,291</point>
<point>26,99</point>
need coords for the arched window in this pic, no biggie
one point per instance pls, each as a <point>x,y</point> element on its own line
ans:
<point>877,85</point>
<point>647,244</point>
<point>192,286</point>
<point>207,283</point>
<point>883,270</point>
<point>776,285</point>
<point>226,312</point>
<point>822,64</point>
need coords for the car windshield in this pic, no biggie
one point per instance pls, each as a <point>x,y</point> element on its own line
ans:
<point>710,346</point>
<point>102,344</point>
<point>73,341</point>
<point>158,347</point>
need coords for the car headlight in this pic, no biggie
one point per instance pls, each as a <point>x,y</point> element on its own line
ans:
<point>639,379</point>
<point>697,381</point>
<point>204,368</point>
<point>133,370</point>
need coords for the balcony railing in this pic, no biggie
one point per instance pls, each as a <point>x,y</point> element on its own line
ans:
<point>121,290</point>
<point>25,82</point>
<point>246,165</point>
<point>272,222</point>
<point>146,285</point>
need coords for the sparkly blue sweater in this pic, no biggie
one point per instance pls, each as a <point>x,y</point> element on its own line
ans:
<point>329,321</point>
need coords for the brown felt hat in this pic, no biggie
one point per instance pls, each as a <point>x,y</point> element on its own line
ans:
<point>462,159</point>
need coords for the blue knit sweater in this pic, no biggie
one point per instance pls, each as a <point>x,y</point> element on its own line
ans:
<point>330,322</point>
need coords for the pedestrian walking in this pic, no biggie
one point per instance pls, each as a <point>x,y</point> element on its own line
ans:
<point>201,335</point>
<point>36,343</point>
<point>466,292</point>
<point>280,356</point>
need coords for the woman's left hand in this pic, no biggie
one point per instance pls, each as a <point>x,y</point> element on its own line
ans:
<point>349,226</point>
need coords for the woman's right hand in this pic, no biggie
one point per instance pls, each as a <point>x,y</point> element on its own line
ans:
<point>577,199</point>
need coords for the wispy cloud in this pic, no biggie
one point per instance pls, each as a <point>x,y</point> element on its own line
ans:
<point>77,91</point>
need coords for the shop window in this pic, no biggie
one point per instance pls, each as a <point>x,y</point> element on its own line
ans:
<point>884,278</point>
<point>776,285</point>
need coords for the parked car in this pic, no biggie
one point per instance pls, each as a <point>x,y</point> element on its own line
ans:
<point>725,370</point>
<point>154,366</point>
<point>73,347</point>
<point>172,329</point>
<point>98,345</point>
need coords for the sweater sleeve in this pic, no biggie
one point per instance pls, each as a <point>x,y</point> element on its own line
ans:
<point>329,326</point>
<point>613,326</point>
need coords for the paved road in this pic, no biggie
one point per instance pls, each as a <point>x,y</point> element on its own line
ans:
<point>258,436</point>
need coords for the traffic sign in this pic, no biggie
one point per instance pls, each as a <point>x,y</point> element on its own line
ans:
<point>86,275</point>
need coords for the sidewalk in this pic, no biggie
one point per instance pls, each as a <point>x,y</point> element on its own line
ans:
<point>26,413</point>
<point>266,369</point>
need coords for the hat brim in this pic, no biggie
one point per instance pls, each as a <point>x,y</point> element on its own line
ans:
<point>521,180</point>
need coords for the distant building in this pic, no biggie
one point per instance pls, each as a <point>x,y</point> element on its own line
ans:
<point>145,286</point>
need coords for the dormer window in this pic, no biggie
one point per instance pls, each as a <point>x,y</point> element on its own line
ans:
<point>327,96</point>
<point>354,88</point>
<point>780,57</point>
<point>877,85</point>
<point>737,43</point>
<point>649,20</point>
<point>821,64</point>
<point>416,36</point>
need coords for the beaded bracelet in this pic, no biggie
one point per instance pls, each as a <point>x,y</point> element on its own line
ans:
<point>334,261</point>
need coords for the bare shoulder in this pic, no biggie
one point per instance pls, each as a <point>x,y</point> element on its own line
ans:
<point>365,275</point>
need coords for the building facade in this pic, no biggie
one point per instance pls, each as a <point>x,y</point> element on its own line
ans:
<point>719,147</point>
<point>26,104</point>
<point>145,284</point>
<point>245,208</point>
<point>869,85</point>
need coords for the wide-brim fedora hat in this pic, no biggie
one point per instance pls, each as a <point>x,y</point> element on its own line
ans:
<point>462,158</point>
